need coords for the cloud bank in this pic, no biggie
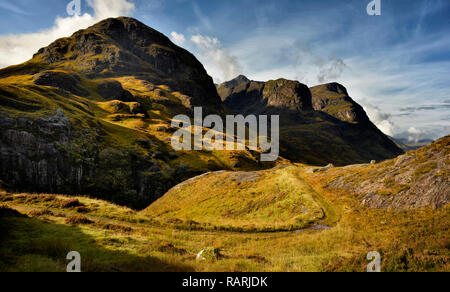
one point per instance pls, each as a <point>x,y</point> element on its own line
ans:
<point>16,49</point>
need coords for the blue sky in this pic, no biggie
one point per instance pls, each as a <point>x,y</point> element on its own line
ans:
<point>396,65</point>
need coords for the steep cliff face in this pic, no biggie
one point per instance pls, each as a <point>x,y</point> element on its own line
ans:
<point>245,96</point>
<point>90,114</point>
<point>334,100</point>
<point>318,126</point>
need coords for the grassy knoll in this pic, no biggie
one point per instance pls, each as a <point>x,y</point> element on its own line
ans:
<point>274,200</point>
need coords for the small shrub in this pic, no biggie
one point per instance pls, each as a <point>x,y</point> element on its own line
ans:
<point>70,203</point>
<point>170,248</point>
<point>82,210</point>
<point>114,227</point>
<point>259,259</point>
<point>78,219</point>
<point>37,213</point>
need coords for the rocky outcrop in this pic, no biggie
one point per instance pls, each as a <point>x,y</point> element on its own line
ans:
<point>245,96</point>
<point>59,79</point>
<point>113,90</point>
<point>49,155</point>
<point>29,155</point>
<point>287,94</point>
<point>419,179</point>
<point>333,99</point>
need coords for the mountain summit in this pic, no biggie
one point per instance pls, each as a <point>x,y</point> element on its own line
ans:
<point>121,46</point>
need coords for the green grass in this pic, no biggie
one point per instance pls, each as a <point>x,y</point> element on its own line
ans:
<point>275,200</point>
<point>250,217</point>
<point>120,239</point>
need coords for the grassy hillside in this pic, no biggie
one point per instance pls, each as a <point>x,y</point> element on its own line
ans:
<point>273,200</point>
<point>113,238</point>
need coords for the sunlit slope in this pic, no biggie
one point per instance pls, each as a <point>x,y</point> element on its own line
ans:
<point>419,179</point>
<point>272,200</point>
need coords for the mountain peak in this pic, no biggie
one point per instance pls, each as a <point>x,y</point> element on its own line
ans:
<point>242,78</point>
<point>114,44</point>
<point>333,99</point>
<point>239,80</point>
<point>125,46</point>
<point>333,87</point>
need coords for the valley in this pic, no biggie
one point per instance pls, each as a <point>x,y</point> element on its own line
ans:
<point>333,230</point>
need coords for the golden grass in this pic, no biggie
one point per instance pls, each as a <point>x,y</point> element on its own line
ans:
<point>273,200</point>
<point>123,240</point>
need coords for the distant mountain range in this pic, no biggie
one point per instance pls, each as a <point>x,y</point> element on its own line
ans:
<point>408,145</point>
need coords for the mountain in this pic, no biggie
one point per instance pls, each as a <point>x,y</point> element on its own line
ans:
<point>125,46</point>
<point>252,97</point>
<point>90,114</point>
<point>333,99</point>
<point>320,125</point>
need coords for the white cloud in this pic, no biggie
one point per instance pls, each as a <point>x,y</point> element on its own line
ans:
<point>15,49</point>
<point>178,38</point>
<point>219,63</point>
<point>381,119</point>
<point>414,134</point>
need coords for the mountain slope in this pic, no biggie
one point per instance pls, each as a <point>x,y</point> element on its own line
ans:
<point>318,126</point>
<point>418,179</point>
<point>90,114</point>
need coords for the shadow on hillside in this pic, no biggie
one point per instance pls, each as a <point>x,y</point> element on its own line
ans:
<point>28,245</point>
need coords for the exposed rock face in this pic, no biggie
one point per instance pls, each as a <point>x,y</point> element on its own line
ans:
<point>126,46</point>
<point>318,126</point>
<point>113,90</point>
<point>334,100</point>
<point>287,94</point>
<point>61,80</point>
<point>42,155</point>
<point>28,157</point>
<point>245,96</point>
<point>418,179</point>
